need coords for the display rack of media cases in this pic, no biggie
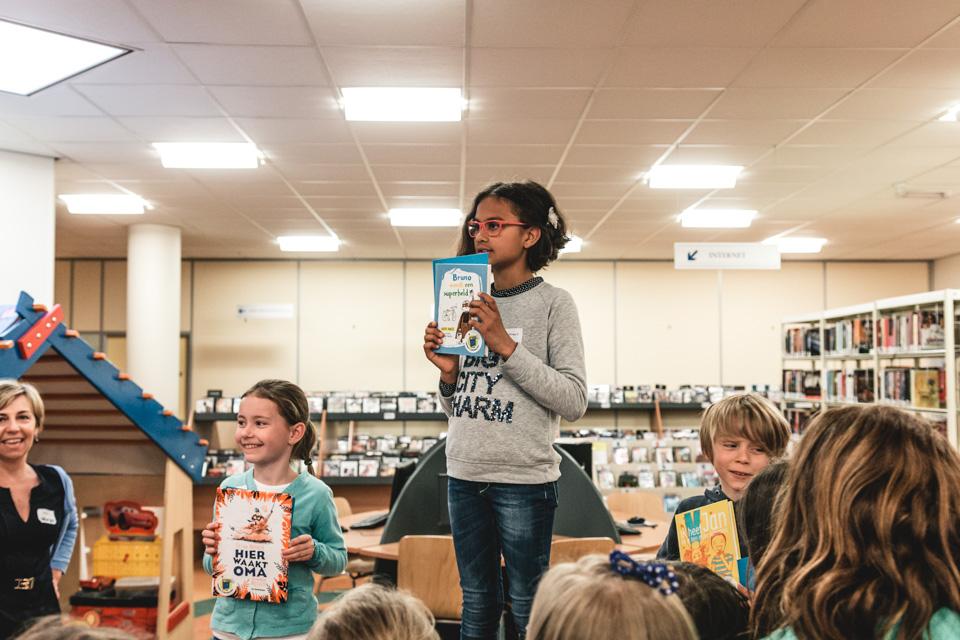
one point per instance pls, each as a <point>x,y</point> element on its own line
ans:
<point>900,351</point>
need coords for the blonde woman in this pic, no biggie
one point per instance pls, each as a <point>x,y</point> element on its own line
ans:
<point>599,597</point>
<point>866,541</point>
<point>373,612</point>
<point>38,514</point>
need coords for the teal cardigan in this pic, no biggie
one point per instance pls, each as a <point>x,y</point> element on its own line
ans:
<point>944,625</point>
<point>313,513</point>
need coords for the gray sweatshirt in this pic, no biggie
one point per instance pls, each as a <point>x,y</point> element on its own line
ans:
<point>505,415</point>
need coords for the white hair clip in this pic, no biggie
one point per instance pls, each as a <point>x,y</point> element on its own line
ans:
<point>553,218</point>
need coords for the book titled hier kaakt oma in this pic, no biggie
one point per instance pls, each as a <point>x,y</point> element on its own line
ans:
<point>254,531</point>
<point>456,283</point>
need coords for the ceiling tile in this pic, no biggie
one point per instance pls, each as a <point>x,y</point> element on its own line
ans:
<point>717,154</point>
<point>916,105</point>
<point>236,22</point>
<point>693,23</point>
<point>180,129</point>
<point>547,23</point>
<point>513,154</point>
<point>637,156</point>
<point>759,132</point>
<point>151,100</point>
<point>58,100</point>
<point>278,102</point>
<point>253,66</point>
<point>270,131</point>
<point>408,132</point>
<point>417,172</point>
<point>486,103</point>
<point>111,21</point>
<point>675,67</point>
<point>395,66</point>
<point>289,153</point>
<point>651,103</point>
<point>412,153</point>
<point>528,67</point>
<point>479,176</point>
<point>815,68</point>
<point>632,131</point>
<point>851,132</point>
<point>520,131</point>
<point>784,103</point>
<point>605,174</point>
<point>420,189</point>
<point>70,129</point>
<point>865,23</point>
<point>409,22</point>
<point>924,69</point>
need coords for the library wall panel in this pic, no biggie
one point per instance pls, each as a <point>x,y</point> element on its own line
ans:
<point>666,325</point>
<point>351,333</point>
<point>753,305</point>
<point>946,273</point>
<point>592,286</point>
<point>230,353</point>
<point>849,283</point>
<point>61,288</point>
<point>419,374</point>
<point>86,292</point>
<point>115,295</point>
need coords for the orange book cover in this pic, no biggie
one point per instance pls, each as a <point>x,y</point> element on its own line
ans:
<point>254,531</point>
<point>708,536</point>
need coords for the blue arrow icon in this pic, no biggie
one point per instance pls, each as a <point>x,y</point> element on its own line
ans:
<point>692,255</point>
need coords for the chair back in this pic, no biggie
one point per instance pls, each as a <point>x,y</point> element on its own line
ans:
<point>343,507</point>
<point>572,549</point>
<point>427,568</point>
<point>647,504</point>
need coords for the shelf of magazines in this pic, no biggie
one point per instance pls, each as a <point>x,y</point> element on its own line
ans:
<point>899,351</point>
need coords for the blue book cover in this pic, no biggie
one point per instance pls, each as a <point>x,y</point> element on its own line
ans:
<point>456,283</point>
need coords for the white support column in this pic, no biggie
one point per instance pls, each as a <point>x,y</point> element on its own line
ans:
<point>153,311</point>
<point>28,223</point>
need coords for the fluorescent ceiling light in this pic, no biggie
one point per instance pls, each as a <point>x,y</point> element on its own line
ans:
<point>952,114</point>
<point>717,218</point>
<point>574,245</point>
<point>309,243</point>
<point>399,104</point>
<point>693,176</point>
<point>788,244</point>
<point>108,203</point>
<point>36,58</point>
<point>208,155</point>
<point>425,217</point>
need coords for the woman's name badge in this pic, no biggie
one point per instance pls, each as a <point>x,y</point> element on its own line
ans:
<point>46,516</point>
<point>516,334</point>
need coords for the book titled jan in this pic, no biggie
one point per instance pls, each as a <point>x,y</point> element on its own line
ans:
<point>456,283</point>
<point>708,536</point>
<point>254,531</point>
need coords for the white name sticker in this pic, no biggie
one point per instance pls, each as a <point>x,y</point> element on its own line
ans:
<point>516,334</point>
<point>46,516</point>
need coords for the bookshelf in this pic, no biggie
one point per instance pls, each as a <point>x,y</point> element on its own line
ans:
<point>900,351</point>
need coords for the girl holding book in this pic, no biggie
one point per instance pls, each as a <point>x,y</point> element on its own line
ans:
<point>504,408</point>
<point>866,539</point>
<point>274,432</point>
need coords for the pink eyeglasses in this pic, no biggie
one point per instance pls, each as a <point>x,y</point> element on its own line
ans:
<point>493,227</point>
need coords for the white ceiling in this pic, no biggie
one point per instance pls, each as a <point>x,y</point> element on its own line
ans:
<point>828,103</point>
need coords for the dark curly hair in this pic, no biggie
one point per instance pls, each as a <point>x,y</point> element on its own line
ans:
<point>531,203</point>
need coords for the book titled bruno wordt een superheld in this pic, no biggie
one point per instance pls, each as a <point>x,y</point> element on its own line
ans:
<point>456,283</point>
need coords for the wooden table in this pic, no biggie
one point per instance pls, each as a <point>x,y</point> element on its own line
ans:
<point>366,542</point>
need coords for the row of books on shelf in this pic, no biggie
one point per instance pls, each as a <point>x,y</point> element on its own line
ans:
<point>633,453</point>
<point>704,476</point>
<point>801,341</point>
<point>380,453</point>
<point>607,395</point>
<point>854,335</point>
<point>907,331</point>
<point>911,331</point>
<point>353,402</point>
<point>924,388</point>
<point>856,385</point>
<point>801,383</point>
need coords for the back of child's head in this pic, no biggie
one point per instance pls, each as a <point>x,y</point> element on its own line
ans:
<point>868,533</point>
<point>57,627</point>
<point>375,612</point>
<point>589,600</point>
<point>757,509</point>
<point>745,415</point>
<point>533,205</point>
<point>718,609</point>
<point>292,405</point>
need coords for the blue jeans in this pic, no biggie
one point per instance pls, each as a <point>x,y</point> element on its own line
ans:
<point>490,519</point>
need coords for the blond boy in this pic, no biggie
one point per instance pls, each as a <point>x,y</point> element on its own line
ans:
<point>740,435</point>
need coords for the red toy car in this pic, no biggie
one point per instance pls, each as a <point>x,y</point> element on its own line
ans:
<point>124,517</point>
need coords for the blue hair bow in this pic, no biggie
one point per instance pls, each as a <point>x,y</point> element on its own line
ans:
<point>655,574</point>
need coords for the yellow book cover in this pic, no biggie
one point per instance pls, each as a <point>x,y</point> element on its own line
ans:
<point>708,536</point>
